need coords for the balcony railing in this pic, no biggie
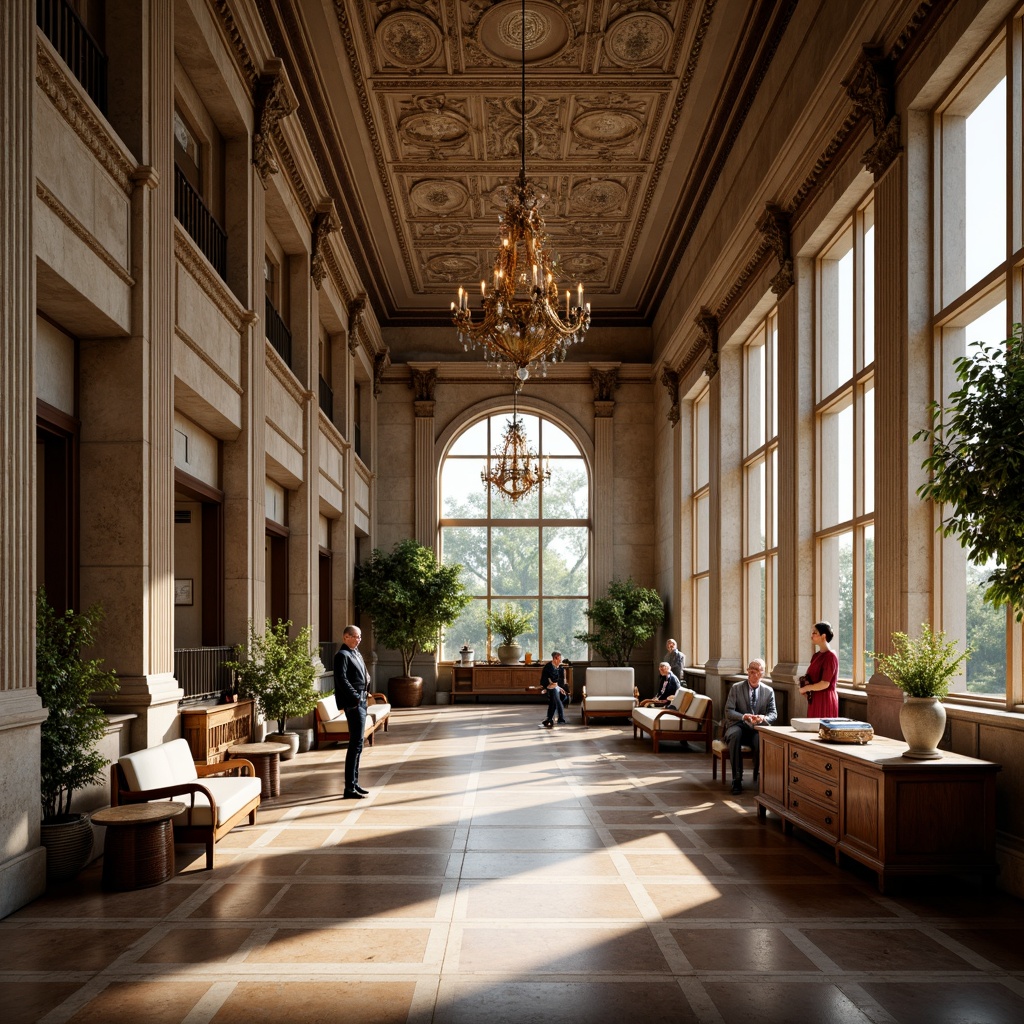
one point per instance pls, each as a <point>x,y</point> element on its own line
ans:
<point>77,48</point>
<point>326,399</point>
<point>201,673</point>
<point>328,649</point>
<point>197,220</point>
<point>277,332</point>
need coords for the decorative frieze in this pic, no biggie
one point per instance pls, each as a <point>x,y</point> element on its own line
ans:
<point>871,87</point>
<point>775,228</point>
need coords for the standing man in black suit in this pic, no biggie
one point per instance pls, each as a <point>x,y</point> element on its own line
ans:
<point>351,682</point>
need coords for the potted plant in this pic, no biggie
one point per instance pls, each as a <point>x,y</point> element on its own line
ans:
<point>279,672</point>
<point>624,619</point>
<point>509,623</point>
<point>411,598</point>
<point>69,759</point>
<point>923,669</point>
<point>977,462</point>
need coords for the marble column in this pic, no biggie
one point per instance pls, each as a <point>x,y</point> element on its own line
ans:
<point>604,497</point>
<point>22,861</point>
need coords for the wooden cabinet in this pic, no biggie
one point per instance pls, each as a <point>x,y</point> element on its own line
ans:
<point>499,680</point>
<point>211,729</point>
<point>892,814</point>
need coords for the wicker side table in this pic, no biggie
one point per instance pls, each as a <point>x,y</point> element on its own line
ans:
<point>138,850</point>
<point>266,759</point>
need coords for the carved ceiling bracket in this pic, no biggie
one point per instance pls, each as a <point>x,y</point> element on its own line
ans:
<point>274,100</point>
<point>775,228</point>
<point>422,384</point>
<point>325,221</point>
<point>670,380</point>
<point>381,361</point>
<point>604,383</point>
<point>355,314</point>
<point>871,86</point>
<point>707,328</point>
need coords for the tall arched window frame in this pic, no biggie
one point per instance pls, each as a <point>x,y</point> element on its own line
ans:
<point>534,553</point>
<point>979,240</point>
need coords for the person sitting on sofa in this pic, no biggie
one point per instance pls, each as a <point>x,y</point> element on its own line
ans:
<point>669,685</point>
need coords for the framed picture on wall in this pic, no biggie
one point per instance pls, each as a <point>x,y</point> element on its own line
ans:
<point>182,592</point>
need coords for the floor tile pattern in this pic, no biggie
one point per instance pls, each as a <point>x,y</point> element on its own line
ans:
<point>504,873</point>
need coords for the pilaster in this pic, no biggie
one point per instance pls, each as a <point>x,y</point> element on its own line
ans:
<point>422,381</point>
<point>604,495</point>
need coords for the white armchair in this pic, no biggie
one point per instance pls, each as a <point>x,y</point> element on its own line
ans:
<point>608,693</point>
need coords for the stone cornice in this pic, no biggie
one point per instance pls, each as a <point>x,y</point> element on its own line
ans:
<point>71,103</point>
<point>285,376</point>
<point>243,59</point>
<point>187,253</point>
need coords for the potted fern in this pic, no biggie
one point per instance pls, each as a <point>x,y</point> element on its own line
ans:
<point>279,672</point>
<point>69,759</point>
<point>923,668</point>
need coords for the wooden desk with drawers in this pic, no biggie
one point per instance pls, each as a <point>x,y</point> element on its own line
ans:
<point>892,814</point>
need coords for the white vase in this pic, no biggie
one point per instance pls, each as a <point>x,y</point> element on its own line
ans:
<point>923,722</point>
<point>291,738</point>
<point>509,654</point>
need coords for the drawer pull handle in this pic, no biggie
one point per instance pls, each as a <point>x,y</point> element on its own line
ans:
<point>796,755</point>
<point>828,766</point>
<point>828,821</point>
<point>796,779</point>
<point>828,792</point>
<point>796,803</point>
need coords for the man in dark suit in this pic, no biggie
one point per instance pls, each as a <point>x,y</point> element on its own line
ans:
<point>750,704</point>
<point>351,682</point>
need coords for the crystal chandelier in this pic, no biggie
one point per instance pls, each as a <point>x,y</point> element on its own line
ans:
<point>516,470</point>
<point>522,326</point>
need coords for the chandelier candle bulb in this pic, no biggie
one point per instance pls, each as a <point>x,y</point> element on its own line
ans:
<point>579,289</point>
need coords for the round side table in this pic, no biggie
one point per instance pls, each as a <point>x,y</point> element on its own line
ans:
<point>138,849</point>
<point>266,759</point>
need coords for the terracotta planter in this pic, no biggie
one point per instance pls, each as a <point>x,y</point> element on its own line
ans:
<point>923,722</point>
<point>405,691</point>
<point>68,844</point>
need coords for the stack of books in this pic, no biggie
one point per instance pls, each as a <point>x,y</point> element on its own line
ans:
<point>845,730</point>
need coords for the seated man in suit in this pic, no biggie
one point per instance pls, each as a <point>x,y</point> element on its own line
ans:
<point>669,685</point>
<point>750,704</point>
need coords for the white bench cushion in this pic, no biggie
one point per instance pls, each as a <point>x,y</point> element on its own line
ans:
<point>231,794</point>
<point>159,766</point>
<point>334,722</point>
<point>597,705</point>
<point>609,682</point>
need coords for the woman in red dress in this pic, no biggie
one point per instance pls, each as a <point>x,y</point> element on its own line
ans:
<point>819,684</point>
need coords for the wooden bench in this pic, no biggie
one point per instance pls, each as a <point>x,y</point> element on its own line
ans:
<point>688,717</point>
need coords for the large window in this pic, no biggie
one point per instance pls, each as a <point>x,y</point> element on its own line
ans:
<point>980,285</point>
<point>534,553</point>
<point>760,476</point>
<point>700,590</point>
<point>844,464</point>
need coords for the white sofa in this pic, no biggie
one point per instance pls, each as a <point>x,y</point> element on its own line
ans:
<point>608,693</point>
<point>217,796</point>
<point>688,717</point>
<point>332,725</point>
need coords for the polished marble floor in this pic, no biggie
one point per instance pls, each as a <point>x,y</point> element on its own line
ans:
<point>507,874</point>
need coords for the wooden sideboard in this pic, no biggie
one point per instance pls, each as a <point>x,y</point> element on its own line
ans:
<point>500,680</point>
<point>211,729</point>
<point>892,814</point>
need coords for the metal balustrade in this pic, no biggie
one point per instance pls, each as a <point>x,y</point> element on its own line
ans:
<point>201,673</point>
<point>277,332</point>
<point>197,220</point>
<point>77,48</point>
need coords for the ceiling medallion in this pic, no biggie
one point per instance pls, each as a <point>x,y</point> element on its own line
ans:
<point>638,39</point>
<point>408,39</point>
<point>522,328</point>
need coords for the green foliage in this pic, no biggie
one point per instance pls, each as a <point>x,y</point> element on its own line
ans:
<point>509,622</point>
<point>922,667</point>
<point>986,634</point>
<point>626,618</point>
<point>977,463</point>
<point>66,682</point>
<point>278,672</point>
<point>410,597</point>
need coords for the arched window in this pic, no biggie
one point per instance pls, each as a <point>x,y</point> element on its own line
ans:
<point>534,553</point>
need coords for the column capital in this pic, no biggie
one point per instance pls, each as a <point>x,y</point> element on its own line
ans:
<point>871,86</point>
<point>775,227</point>
<point>274,99</point>
<point>670,381</point>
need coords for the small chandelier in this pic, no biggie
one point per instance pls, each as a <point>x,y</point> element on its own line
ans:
<point>522,326</point>
<point>517,469</point>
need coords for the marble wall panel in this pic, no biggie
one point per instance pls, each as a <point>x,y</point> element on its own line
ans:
<point>197,317</point>
<point>284,459</point>
<point>55,366</point>
<point>205,396</point>
<point>196,452</point>
<point>283,411</point>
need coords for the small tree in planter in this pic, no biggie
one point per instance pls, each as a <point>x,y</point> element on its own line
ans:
<point>509,622</point>
<point>626,618</point>
<point>69,760</point>
<point>411,598</point>
<point>279,673</point>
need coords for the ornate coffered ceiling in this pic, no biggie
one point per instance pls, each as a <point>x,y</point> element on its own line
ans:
<point>415,109</point>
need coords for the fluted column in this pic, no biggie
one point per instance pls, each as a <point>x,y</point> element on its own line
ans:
<point>22,862</point>
<point>604,496</point>
<point>422,382</point>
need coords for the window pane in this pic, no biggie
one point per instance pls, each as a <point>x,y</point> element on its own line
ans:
<point>869,597</point>
<point>565,560</point>
<point>754,647</point>
<point>773,459</point>
<point>557,442</point>
<point>836,554</point>
<point>869,451</point>
<point>561,620</point>
<point>986,633</point>
<point>771,651</point>
<point>755,524</point>
<point>700,442</point>
<point>565,494</point>
<point>836,464</point>
<point>985,185</point>
<point>869,295</point>
<point>472,441</point>
<point>469,629</point>
<point>700,618</point>
<point>515,560</point>
<point>773,373</point>
<point>837,311</point>
<point>755,390</point>
<point>467,546</point>
<point>701,558</point>
<point>463,491</point>
<point>503,507</point>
